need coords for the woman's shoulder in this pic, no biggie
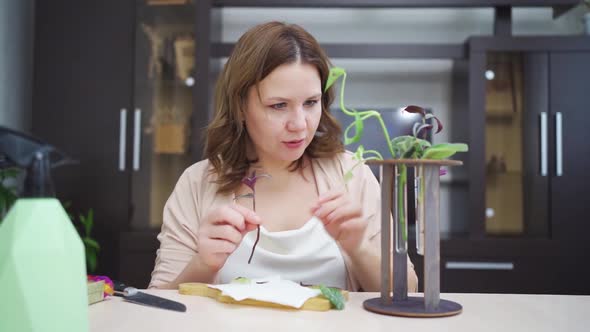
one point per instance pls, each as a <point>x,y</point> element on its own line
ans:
<point>199,168</point>
<point>340,161</point>
<point>336,167</point>
<point>199,174</point>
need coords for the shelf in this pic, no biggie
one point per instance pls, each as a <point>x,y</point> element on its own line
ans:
<point>528,43</point>
<point>454,182</point>
<point>395,3</point>
<point>494,177</point>
<point>375,51</point>
<point>156,3</point>
<point>500,118</point>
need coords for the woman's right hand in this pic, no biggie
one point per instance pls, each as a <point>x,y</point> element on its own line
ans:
<point>222,231</point>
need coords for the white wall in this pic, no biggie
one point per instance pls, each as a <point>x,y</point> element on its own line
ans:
<point>398,82</point>
<point>16,43</point>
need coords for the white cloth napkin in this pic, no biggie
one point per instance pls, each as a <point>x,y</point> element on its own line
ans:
<point>272,289</point>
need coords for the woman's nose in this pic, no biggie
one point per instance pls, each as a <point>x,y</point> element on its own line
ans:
<point>297,120</point>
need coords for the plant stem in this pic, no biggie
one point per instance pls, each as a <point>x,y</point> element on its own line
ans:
<point>386,134</point>
<point>400,202</point>
<point>403,175</point>
<point>257,227</point>
<point>255,243</point>
<point>365,115</point>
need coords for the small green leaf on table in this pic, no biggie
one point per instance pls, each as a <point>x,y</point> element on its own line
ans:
<point>334,295</point>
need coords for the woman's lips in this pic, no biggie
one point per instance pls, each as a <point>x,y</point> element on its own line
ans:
<point>294,144</point>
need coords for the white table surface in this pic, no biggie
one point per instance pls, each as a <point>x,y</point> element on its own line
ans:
<point>481,312</point>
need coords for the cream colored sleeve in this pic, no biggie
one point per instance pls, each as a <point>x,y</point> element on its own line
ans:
<point>178,236</point>
<point>371,200</point>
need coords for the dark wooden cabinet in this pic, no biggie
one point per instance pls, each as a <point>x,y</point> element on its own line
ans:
<point>526,226</point>
<point>112,79</point>
<point>570,158</point>
<point>83,66</point>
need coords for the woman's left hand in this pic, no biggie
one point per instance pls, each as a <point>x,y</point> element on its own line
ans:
<point>342,219</point>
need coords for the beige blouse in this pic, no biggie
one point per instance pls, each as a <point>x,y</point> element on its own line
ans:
<point>195,194</point>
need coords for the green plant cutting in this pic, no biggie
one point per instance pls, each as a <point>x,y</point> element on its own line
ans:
<point>401,147</point>
<point>8,194</point>
<point>90,245</point>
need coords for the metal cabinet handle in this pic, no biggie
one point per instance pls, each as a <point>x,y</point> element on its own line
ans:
<point>543,138</point>
<point>136,139</point>
<point>122,138</point>
<point>451,265</point>
<point>558,145</point>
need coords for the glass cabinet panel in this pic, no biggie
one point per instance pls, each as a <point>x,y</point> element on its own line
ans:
<point>164,77</point>
<point>516,197</point>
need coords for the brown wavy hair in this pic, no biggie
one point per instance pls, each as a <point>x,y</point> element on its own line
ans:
<point>256,54</point>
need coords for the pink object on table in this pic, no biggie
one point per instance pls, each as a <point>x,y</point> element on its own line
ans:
<point>108,283</point>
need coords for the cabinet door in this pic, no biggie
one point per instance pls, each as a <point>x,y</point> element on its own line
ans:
<point>82,79</point>
<point>516,153</point>
<point>570,161</point>
<point>162,140</point>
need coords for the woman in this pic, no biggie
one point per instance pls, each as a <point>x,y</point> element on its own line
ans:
<point>272,121</point>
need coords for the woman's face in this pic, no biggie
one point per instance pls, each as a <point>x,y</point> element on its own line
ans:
<point>282,119</point>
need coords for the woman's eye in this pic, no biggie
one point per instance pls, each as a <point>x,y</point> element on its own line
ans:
<point>279,106</point>
<point>311,103</point>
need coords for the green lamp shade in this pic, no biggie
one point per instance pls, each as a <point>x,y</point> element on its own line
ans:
<point>42,269</point>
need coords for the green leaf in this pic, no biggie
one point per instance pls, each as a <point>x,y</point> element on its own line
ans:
<point>82,219</point>
<point>358,129</point>
<point>334,295</point>
<point>90,243</point>
<point>409,153</point>
<point>89,222</point>
<point>91,260</point>
<point>375,153</point>
<point>444,150</point>
<point>417,148</point>
<point>423,143</point>
<point>7,198</point>
<point>358,154</point>
<point>9,173</point>
<point>402,144</point>
<point>348,176</point>
<point>402,140</point>
<point>240,280</point>
<point>66,205</point>
<point>335,73</point>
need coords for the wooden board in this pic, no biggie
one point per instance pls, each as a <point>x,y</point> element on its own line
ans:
<point>318,303</point>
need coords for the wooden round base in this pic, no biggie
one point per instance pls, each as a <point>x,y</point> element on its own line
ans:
<point>413,307</point>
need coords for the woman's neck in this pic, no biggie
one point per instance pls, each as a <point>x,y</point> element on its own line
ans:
<point>281,172</point>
